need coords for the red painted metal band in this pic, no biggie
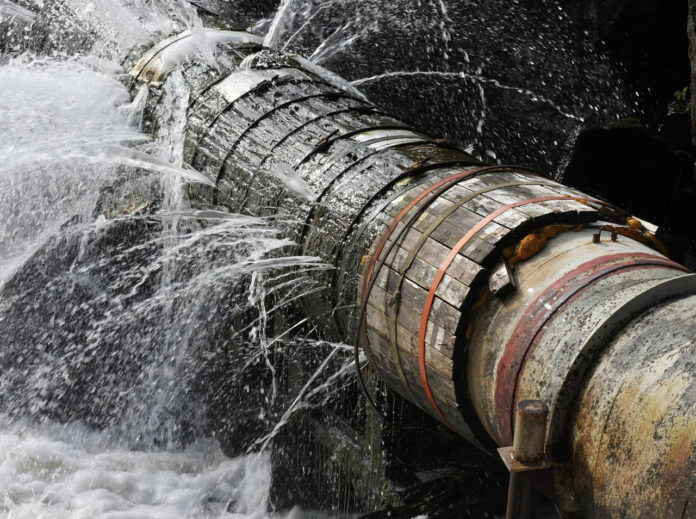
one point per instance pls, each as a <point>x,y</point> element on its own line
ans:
<point>368,282</point>
<point>531,326</point>
<point>380,246</point>
<point>452,179</point>
<point>430,299</point>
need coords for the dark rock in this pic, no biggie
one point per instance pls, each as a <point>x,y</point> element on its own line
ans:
<point>239,13</point>
<point>676,127</point>
<point>626,163</point>
<point>691,31</point>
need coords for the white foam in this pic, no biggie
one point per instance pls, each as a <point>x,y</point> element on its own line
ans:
<point>55,471</point>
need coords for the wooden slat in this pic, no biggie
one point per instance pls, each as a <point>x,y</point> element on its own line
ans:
<point>414,295</point>
<point>438,378</point>
<point>436,336</point>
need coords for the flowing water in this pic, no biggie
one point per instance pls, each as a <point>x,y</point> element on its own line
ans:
<point>117,292</point>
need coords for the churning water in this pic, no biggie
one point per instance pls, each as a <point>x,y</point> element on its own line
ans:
<point>52,471</point>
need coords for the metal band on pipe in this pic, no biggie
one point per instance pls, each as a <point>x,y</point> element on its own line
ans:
<point>530,327</point>
<point>276,80</point>
<point>331,95</point>
<point>416,249</point>
<point>369,279</point>
<point>329,141</point>
<point>438,279</point>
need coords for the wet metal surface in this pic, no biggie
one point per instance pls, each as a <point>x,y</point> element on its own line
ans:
<point>164,57</point>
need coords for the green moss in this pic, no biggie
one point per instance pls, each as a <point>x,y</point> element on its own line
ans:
<point>682,95</point>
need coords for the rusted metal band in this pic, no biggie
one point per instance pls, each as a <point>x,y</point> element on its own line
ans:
<point>332,182</point>
<point>411,173</point>
<point>365,225</point>
<point>447,183</point>
<point>385,203</point>
<point>430,299</point>
<point>395,306</point>
<point>414,172</point>
<point>369,279</point>
<point>531,326</point>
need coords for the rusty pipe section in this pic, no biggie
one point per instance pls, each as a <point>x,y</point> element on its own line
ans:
<point>477,286</point>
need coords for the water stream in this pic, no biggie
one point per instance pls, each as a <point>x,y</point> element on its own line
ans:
<point>117,294</point>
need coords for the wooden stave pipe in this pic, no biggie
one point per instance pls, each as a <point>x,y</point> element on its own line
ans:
<point>361,224</point>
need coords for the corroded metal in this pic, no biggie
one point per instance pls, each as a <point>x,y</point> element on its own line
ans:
<point>634,432</point>
<point>529,439</point>
<point>529,471</point>
<point>531,326</point>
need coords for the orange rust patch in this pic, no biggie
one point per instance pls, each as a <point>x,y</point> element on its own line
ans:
<point>531,244</point>
<point>633,445</point>
<point>634,223</point>
<point>469,330</point>
<point>482,300</point>
<point>509,251</point>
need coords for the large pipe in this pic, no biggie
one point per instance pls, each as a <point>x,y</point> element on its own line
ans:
<point>477,286</point>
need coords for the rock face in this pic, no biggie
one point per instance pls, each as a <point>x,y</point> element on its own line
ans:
<point>691,30</point>
<point>240,13</point>
<point>649,173</point>
<point>644,162</point>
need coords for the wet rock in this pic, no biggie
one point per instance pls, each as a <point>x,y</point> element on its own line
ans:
<point>240,13</point>
<point>676,126</point>
<point>626,163</point>
<point>691,31</point>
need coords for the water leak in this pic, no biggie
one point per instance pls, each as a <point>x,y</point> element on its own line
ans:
<point>118,294</point>
<point>479,79</point>
<point>515,79</point>
<point>67,127</point>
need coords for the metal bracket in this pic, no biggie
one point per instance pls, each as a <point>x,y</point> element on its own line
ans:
<point>530,471</point>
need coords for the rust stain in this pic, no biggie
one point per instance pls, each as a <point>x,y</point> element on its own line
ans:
<point>132,206</point>
<point>640,235</point>
<point>533,243</point>
<point>641,437</point>
<point>634,223</point>
<point>531,324</point>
